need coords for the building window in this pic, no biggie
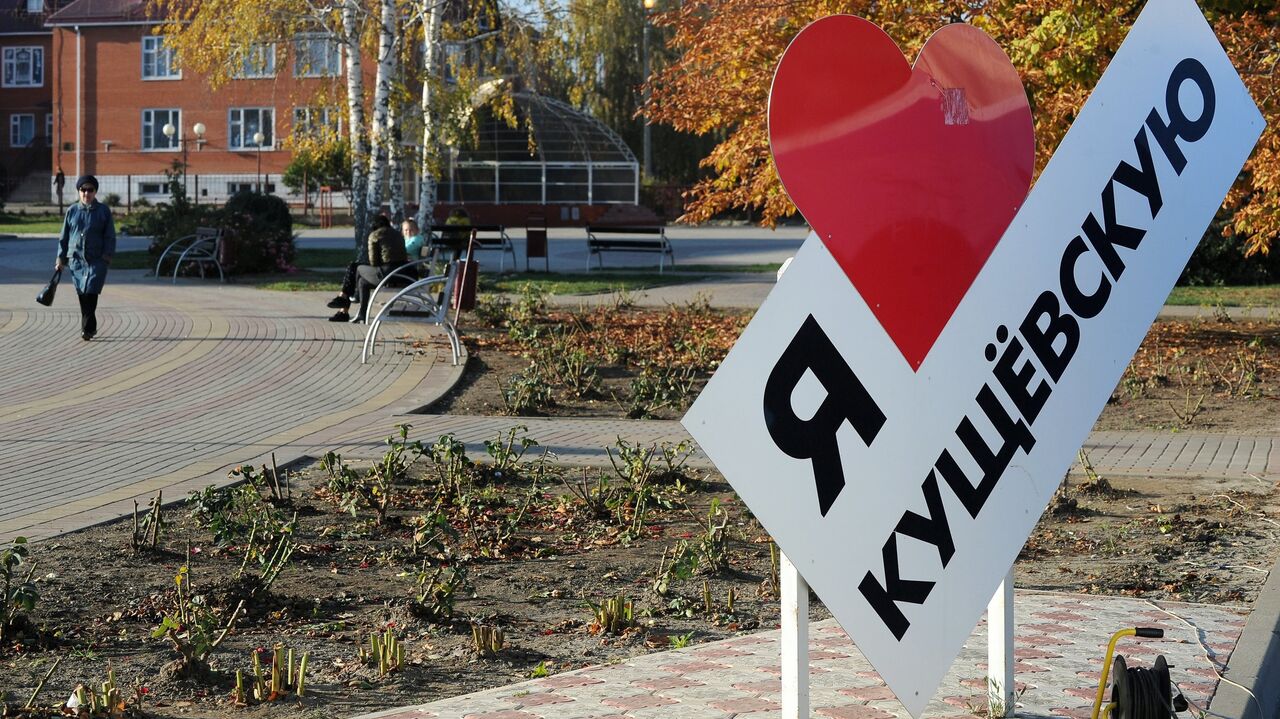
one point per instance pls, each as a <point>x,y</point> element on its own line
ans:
<point>256,61</point>
<point>22,130</point>
<point>238,187</point>
<point>153,122</point>
<point>244,122</point>
<point>151,188</point>
<point>319,122</point>
<point>158,61</point>
<point>35,7</point>
<point>23,66</point>
<point>316,56</point>
<point>48,130</point>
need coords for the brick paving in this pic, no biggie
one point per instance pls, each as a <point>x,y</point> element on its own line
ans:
<point>1246,461</point>
<point>737,677</point>
<point>182,383</point>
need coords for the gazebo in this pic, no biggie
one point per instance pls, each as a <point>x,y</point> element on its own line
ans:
<point>574,159</point>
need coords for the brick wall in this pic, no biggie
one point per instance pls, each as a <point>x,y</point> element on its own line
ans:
<point>109,141</point>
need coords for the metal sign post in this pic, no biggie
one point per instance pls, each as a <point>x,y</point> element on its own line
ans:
<point>795,641</point>
<point>1000,660</point>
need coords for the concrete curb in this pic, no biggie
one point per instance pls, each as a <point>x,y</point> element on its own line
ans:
<point>1255,663</point>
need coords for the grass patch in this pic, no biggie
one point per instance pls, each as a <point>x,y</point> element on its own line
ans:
<point>1230,296</point>
<point>305,259</point>
<point>761,267</point>
<point>135,260</point>
<point>593,283</point>
<point>304,281</point>
<point>11,224</point>
<point>310,258</point>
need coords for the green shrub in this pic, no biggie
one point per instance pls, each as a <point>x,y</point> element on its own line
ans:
<point>165,223</point>
<point>257,230</point>
<point>1220,260</point>
<point>257,234</point>
<point>319,165</point>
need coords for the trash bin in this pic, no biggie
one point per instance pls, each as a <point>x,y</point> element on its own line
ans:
<point>535,241</point>
<point>464,290</point>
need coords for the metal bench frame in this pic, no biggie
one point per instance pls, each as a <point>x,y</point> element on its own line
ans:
<point>483,237</point>
<point>429,296</point>
<point>204,247</point>
<point>652,239</point>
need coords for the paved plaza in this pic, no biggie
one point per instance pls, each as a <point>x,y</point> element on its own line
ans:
<point>189,380</point>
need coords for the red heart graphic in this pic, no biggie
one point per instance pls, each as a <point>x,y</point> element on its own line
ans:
<point>909,175</point>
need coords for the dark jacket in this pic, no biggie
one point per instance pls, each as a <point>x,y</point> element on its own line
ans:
<point>87,242</point>
<point>386,249</point>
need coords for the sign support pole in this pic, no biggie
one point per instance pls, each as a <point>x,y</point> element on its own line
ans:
<point>795,641</point>
<point>1000,687</point>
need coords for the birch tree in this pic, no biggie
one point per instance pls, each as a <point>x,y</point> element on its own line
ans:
<point>212,37</point>
<point>431,14</point>
<point>388,27</point>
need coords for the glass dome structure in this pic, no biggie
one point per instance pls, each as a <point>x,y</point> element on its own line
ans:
<point>573,159</point>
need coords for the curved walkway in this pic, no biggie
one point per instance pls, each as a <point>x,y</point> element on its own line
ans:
<point>182,383</point>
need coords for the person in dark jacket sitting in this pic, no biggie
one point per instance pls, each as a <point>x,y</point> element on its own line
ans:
<point>386,253</point>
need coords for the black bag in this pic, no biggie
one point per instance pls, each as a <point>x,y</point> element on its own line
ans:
<point>46,295</point>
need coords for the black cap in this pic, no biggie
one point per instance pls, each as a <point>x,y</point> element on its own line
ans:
<point>83,180</point>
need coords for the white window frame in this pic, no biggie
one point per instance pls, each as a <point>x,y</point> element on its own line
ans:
<point>303,63</point>
<point>158,61</point>
<point>307,120</point>
<point>256,61</point>
<point>34,65</point>
<point>15,129</point>
<point>240,132</point>
<point>153,133</point>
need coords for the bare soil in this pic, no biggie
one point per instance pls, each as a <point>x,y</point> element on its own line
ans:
<point>537,554</point>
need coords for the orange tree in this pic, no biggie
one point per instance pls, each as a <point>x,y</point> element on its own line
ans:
<point>727,51</point>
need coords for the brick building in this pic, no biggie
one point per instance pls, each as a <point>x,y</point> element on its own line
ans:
<point>115,90</point>
<point>25,96</point>
<point>90,88</point>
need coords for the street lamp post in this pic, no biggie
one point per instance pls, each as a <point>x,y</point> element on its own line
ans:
<point>169,131</point>
<point>258,137</point>
<point>647,142</point>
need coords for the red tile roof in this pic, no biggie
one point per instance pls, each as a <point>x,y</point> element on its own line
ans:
<point>92,12</point>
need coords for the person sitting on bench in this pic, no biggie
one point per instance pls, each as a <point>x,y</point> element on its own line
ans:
<point>386,253</point>
<point>456,240</point>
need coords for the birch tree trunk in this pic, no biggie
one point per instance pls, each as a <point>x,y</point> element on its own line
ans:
<point>395,163</point>
<point>356,128</point>
<point>387,27</point>
<point>433,17</point>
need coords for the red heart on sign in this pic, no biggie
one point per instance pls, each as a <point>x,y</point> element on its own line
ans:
<point>909,175</point>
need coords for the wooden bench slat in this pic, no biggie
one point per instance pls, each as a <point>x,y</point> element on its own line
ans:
<point>651,239</point>
<point>488,237</point>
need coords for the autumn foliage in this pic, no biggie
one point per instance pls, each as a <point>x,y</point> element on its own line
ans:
<point>727,51</point>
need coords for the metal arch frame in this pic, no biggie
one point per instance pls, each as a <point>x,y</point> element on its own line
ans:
<point>580,116</point>
<point>438,310</point>
<point>582,131</point>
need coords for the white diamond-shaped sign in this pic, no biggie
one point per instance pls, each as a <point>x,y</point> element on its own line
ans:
<point>943,472</point>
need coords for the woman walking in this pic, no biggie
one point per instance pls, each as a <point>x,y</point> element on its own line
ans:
<point>87,243</point>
